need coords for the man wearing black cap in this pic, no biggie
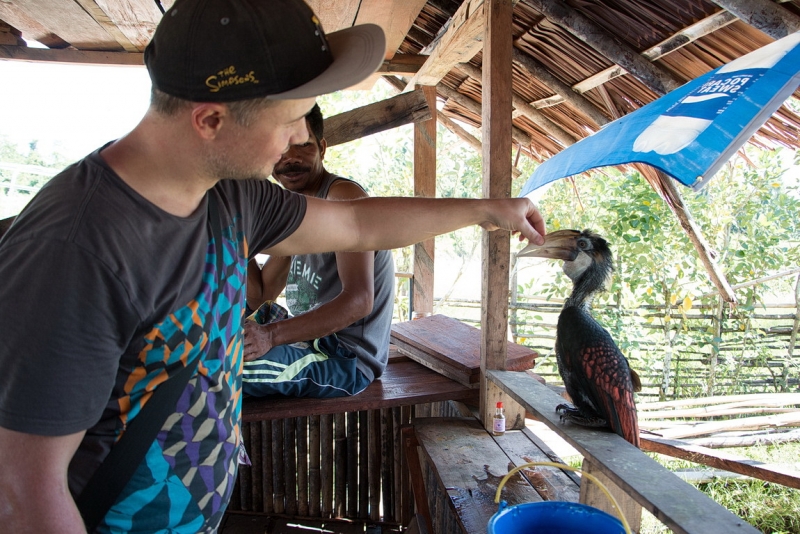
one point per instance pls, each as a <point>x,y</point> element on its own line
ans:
<point>143,247</point>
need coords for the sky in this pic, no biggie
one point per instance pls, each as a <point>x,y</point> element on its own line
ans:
<point>76,108</point>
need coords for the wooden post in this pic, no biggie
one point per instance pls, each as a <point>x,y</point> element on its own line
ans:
<point>496,253</point>
<point>594,496</point>
<point>424,186</point>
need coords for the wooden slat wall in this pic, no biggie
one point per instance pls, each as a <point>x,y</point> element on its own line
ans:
<point>345,465</point>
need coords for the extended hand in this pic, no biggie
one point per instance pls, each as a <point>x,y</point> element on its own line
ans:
<point>517,215</point>
<point>257,340</point>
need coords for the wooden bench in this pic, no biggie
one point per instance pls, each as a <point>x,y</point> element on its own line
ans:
<point>343,457</point>
<point>405,382</point>
<point>628,472</point>
<point>625,468</point>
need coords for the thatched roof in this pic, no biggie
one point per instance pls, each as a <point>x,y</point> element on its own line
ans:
<point>577,63</point>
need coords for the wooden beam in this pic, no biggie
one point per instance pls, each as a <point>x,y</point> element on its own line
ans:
<point>65,18</point>
<point>537,70</point>
<point>657,79</point>
<point>29,27</point>
<point>402,109</point>
<point>593,496</point>
<point>525,109</point>
<point>113,30</point>
<point>688,35</point>
<point>680,506</point>
<point>699,29</point>
<point>517,134</point>
<point>720,460</point>
<point>496,125</point>
<point>767,16</point>
<point>132,23</point>
<point>424,186</point>
<point>402,65</point>
<point>80,57</point>
<point>459,43</point>
<point>450,124</point>
<point>335,15</point>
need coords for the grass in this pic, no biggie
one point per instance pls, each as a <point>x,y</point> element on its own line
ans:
<point>771,508</point>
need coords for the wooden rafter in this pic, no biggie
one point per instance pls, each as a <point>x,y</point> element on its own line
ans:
<point>84,57</point>
<point>525,109</point>
<point>474,107</point>
<point>75,25</point>
<point>564,93</point>
<point>402,109</point>
<point>131,23</point>
<point>459,43</point>
<point>767,16</point>
<point>657,79</point>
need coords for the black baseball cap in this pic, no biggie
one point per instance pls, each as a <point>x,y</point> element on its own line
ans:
<point>229,50</point>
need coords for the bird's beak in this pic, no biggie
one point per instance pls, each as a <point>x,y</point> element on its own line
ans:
<point>558,245</point>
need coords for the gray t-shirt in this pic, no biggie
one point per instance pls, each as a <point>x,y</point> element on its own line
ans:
<point>314,280</point>
<point>104,296</point>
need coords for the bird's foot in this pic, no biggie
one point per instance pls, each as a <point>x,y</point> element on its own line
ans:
<point>574,415</point>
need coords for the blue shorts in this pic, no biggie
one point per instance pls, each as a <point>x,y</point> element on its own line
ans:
<point>320,368</point>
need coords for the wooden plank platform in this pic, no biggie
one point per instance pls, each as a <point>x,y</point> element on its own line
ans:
<point>677,504</point>
<point>452,348</point>
<point>405,382</point>
<point>470,463</point>
<point>244,523</point>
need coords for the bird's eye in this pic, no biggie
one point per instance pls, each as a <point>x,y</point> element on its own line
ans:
<point>583,244</point>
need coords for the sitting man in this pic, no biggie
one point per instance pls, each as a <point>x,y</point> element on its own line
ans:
<point>337,342</point>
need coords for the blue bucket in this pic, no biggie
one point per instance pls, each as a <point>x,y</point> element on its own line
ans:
<point>555,517</point>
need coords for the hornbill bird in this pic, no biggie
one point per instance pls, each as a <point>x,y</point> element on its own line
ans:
<point>596,374</point>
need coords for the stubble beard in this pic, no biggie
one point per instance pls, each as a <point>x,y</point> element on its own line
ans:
<point>226,167</point>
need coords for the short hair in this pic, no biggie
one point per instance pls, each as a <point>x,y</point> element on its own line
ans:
<point>314,119</point>
<point>244,112</point>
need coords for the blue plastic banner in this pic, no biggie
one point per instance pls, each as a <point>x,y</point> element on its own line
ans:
<point>692,131</point>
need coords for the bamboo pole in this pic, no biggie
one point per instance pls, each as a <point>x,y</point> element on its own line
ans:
<point>720,460</point>
<point>326,464</point>
<point>339,465</point>
<point>290,461</point>
<point>363,461</point>
<point>314,468</point>
<point>398,466</point>
<point>266,462</point>
<point>245,474</point>
<point>352,464</point>
<point>387,463</point>
<point>720,399</point>
<point>302,466</point>
<point>374,464</point>
<point>254,450</point>
<point>278,470</point>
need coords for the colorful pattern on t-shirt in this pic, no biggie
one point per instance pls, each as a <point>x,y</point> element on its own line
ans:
<point>190,469</point>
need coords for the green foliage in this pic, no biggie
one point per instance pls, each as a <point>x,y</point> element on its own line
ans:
<point>23,171</point>
<point>771,508</point>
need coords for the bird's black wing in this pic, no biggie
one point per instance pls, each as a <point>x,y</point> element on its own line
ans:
<point>599,371</point>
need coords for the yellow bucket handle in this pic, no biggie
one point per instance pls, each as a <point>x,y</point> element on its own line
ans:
<point>591,477</point>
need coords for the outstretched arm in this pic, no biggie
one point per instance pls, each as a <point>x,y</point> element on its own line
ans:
<point>34,495</point>
<point>386,223</point>
<point>356,272</point>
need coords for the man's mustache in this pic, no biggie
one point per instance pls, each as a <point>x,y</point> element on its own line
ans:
<point>293,167</point>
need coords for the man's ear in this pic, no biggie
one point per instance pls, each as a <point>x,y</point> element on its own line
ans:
<point>323,145</point>
<point>208,119</point>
